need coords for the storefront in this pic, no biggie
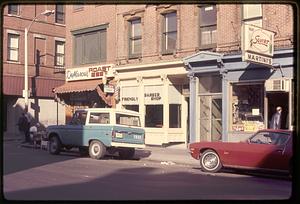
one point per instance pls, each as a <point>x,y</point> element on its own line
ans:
<point>87,87</point>
<point>230,98</point>
<point>156,91</point>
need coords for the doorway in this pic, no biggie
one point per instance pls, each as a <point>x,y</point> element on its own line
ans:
<point>211,118</point>
<point>279,99</point>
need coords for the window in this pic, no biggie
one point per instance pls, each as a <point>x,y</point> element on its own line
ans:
<point>208,26</point>
<point>247,107</point>
<point>129,120</point>
<point>132,107</point>
<point>59,53</point>
<point>90,47</point>
<point>59,14</point>
<point>154,116</point>
<point>274,138</point>
<point>13,47</point>
<point>169,34</point>
<point>99,118</point>
<point>79,118</point>
<point>175,115</point>
<point>13,9</point>
<point>135,38</point>
<point>252,14</point>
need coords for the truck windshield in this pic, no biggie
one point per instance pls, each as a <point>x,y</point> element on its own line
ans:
<point>130,120</point>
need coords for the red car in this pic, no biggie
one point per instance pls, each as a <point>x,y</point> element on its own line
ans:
<point>265,150</point>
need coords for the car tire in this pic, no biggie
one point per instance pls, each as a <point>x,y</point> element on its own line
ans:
<point>97,149</point>
<point>210,161</point>
<point>126,153</point>
<point>54,145</point>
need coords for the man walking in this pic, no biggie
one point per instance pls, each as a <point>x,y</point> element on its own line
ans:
<point>24,125</point>
<point>276,119</point>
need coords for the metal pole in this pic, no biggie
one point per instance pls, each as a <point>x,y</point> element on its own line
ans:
<point>26,70</point>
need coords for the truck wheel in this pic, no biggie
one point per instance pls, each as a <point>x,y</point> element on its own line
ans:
<point>97,149</point>
<point>54,145</point>
<point>126,153</point>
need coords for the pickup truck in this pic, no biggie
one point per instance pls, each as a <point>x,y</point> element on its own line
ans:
<point>98,131</point>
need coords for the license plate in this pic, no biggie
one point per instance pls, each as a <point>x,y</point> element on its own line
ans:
<point>137,137</point>
<point>119,135</point>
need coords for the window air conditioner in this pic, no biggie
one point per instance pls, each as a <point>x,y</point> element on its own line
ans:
<point>277,85</point>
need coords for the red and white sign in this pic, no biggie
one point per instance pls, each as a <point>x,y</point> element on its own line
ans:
<point>92,72</point>
<point>257,44</point>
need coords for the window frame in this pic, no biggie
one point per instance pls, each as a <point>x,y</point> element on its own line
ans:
<point>210,26</point>
<point>165,33</point>
<point>9,48</point>
<point>59,54</point>
<point>62,13</point>
<point>132,39</point>
<point>9,10</point>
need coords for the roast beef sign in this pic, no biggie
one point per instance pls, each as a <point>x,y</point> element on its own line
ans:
<point>257,45</point>
<point>92,72</point>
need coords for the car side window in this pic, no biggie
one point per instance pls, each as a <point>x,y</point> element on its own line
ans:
<point>99,118</point>
<point>79,118</point>
<point>262,138</point>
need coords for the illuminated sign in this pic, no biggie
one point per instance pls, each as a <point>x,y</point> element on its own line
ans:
<point>257,45</point>
<point>93,72</point>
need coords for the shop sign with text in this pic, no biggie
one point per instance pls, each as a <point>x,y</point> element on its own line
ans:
<point>85,73</point>
<point>257,45</point>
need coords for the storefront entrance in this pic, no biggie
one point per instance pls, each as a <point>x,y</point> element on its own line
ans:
<point>210,118</point>
<point>278,99</point>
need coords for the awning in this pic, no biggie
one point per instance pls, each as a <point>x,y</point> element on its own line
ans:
<point>13,85</point>
<point>78,86</point>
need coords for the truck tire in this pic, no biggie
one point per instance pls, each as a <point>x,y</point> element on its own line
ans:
<point>54,145</point>
<point>126,153</point>
<point>97,149</point>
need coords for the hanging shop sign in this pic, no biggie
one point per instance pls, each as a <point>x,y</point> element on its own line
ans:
<point>109,88</point>
<point>92,72</point>
<point>257,45</point>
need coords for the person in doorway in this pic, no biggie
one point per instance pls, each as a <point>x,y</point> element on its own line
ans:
<point>276,119</point>
<point>24,125</point>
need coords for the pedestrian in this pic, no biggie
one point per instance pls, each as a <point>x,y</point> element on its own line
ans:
<point>276,119</point>
<point>24,124</point>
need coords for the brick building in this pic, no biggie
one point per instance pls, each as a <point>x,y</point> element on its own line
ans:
<point>46,41</point>
<point>151,55</point>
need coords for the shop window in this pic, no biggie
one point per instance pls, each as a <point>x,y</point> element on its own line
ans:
<point>59,14</point>
<point>59,53</point>
<point>210,84</point>
<point>169,35</point>
<point>13,47</point>
<point>175,116</point>
<point>132,107</point>
<point>154,116</point>
<point>13,9</point>
<point>208,26</point>
<point>90,46</point>
<point>252,14</point>
<point>247,107</point>
<point>135,38</point>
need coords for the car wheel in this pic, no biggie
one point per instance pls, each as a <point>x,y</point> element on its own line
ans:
<point>97,149</point>
<point>54,145</point>
<point>83,151</point>
<point>126,153</point>
<point>210,161</point>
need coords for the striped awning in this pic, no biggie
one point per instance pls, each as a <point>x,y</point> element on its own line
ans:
<point>78,86</point>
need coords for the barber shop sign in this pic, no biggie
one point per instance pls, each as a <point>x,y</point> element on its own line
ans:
<point>257,45</point>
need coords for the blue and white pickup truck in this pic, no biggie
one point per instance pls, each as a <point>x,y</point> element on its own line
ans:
<point>98,131</point>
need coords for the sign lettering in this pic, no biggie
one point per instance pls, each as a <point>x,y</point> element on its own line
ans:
<point>85,73</point>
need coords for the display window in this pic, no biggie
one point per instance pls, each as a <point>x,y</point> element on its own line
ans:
<point>175,116</point>
<point>154,116</point>
<point>247,107</point>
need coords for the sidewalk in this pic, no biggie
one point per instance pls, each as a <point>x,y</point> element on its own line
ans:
<point>173,154</point>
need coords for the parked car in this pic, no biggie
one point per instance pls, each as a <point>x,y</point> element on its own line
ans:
<point>98,131</point>
<point>265,150</point>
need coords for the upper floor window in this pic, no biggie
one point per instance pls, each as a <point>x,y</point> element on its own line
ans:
<point>252,14</point>
<point>59,14</point>
<point>169,34</point>
<point>90,45</point>
<point>208,26</point>
<point>59,53</point>
<point>13,9</point>
<point>135,38</point>
<point>13,47</point>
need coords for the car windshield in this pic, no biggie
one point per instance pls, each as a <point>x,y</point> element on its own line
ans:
<point>130,120</point>
<point>275,138</point>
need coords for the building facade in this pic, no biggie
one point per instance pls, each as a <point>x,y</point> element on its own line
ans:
<point>46,50</point>
<point>175,64</point>
<point>230,97</point>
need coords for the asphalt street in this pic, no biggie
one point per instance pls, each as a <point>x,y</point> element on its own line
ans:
<point>33,174</point>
